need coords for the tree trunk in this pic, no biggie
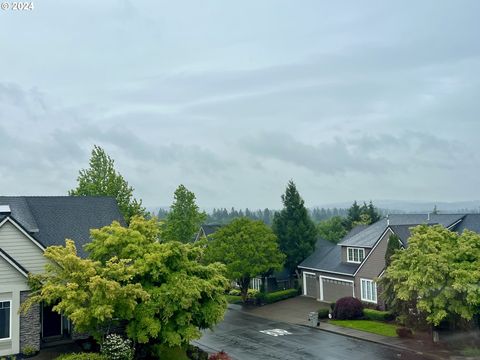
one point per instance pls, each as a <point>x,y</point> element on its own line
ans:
<point>244,284</point>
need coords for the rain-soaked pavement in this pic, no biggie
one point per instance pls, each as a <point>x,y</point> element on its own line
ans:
<point>246,337</point>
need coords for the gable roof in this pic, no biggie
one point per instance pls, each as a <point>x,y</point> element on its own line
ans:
<point>328,257</point>
<point>52,219</point>
<point>369,236</point>
<point>13,263</point>
<point>206,230</point>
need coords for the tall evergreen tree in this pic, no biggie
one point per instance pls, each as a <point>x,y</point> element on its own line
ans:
<point>101,179</point>
<point>373,213</point>
<point>392,246</point>
<point>295,230</point>
<point>184,218</point>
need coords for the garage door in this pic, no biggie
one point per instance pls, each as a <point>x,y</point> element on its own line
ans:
<point>310,282</point>
<point>334,289</point>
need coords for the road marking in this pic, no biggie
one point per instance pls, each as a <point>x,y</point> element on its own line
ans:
<point>276,332</point>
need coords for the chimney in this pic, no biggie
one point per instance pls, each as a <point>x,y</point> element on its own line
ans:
<point>428,217</point>
<point>5,210</point>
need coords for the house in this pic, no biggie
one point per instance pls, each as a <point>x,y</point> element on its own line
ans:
<point>205,231</point>
<point>351,267</point>
<point>28,225</point>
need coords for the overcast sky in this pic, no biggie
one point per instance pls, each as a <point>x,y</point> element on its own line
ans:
<point>350,99</point>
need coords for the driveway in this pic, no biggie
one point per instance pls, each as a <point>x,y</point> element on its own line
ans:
<point>294,310</point>
<point>247,337</point>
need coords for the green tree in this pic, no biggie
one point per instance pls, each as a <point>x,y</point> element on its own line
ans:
<point>295,230</point>
<point>393,245</point>
<point>373,213</point>
<point>332,229</point>
<point>184,219</point>
<point>163,291</point>
<point>438,273</point>
<point>248,248</point>
<point>101,179</point>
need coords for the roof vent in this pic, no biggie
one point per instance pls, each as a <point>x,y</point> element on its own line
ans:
<point>388,220</point>
<point>5,209</point>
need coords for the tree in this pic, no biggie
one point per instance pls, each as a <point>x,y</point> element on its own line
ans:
<point>162,291</point>
<point>101,179</point>
<point>248,248</point>
<point>438,273</point>
<point>295,230</point>
<point>393,245</point>
<point>184,219</point>
<point>373,213</point>
<point>332,229</point>
<point>353,214</point>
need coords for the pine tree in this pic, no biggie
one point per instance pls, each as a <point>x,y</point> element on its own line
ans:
<point>101,179</point>
<point>295,230</point>
<point>392,246</point>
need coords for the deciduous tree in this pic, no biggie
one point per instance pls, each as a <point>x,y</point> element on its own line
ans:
<point>332,229</point>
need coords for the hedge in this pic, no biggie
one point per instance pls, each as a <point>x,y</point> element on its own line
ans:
<point>323,313</point>
<point>278,295</point>
<point>82,356</point>
<point>377,315</point>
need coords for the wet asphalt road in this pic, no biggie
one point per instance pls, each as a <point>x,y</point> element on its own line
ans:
<point>239,335</point>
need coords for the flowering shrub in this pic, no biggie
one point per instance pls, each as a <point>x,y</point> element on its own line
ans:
<point>348,308</point>
<point>220,356</point>
<point>115,347</point>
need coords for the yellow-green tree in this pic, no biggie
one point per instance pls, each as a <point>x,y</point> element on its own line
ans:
<point>439,273</point>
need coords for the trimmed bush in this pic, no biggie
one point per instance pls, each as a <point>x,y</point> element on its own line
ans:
<point>348,308</point>
<point>116,347</point>
<point>82,356</point>
<point>195,353</point>
<point>279,295</point>
<point>323,313</point>
<point>220,356</point>
<point>404,332</point>
<point>377,315</point>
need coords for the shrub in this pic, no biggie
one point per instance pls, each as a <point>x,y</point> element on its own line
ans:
<point>252,293</point>
<point>323,313</point>
<point>234,292</point>
<point>29,350</point>
<point>220,356</point>
<point>82,356</point>
<point>348,308</point>
<point>195,353</point>
<point>279,295</point>
<point>377,315</point>
<point>332,306</point>
<point>115,347</point>
<point>404,332</point>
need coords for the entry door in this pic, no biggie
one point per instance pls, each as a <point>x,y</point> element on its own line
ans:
<point>52,323</point>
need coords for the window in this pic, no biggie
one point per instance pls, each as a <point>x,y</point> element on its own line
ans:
<point>5,319</point>
<point>369,290</point>
<point>355,255</point>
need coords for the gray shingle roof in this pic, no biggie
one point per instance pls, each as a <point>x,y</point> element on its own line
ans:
<point>52,219</point>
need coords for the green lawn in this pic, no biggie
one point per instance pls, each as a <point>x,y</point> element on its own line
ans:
<point>234,299</point>
<point>375,327</point>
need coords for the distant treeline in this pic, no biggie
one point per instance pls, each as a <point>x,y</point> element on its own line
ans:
<point>224,216</point>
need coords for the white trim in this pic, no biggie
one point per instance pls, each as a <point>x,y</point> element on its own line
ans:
<point>14,223</point>
<point>361,291</point>
<point>7,259</point>
<point>10,324</point>
<point>353,248</point>
<point>321,277</point>
<point>456,222</point>
<point>305,281</point>
<point>372,250</point>
<point>327,271</point>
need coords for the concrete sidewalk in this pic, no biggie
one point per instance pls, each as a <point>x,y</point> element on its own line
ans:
<point>295,311</point>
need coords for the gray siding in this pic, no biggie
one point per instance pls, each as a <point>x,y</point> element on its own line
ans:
<point>21,248</point>
<point>10,275</point>
<point>374,265</point>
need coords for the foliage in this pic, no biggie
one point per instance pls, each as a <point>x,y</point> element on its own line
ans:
<point>404,332</point>
<point>295,230</point>
<point>195,353</point>
<point>392,246</point>
<point>234,292</point>
<point>332,229</point>
<point>248,248</point>
<point>234,299</point>
<point>101,179</point>
<point>220,356</point>
<point>436,275</point>
<point>114,347</point>
<point>224,216</point>
<point>375,327</point>
<point>82,356</point>
<point>361,215</point>
<point>164,352</point>
<point>323,313</point>
<point>184,218</point>
<point>162,290</point>
<point>275,296</point>
<point>29,350</point>
<point>377,315</point>
<point>348,308</point>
